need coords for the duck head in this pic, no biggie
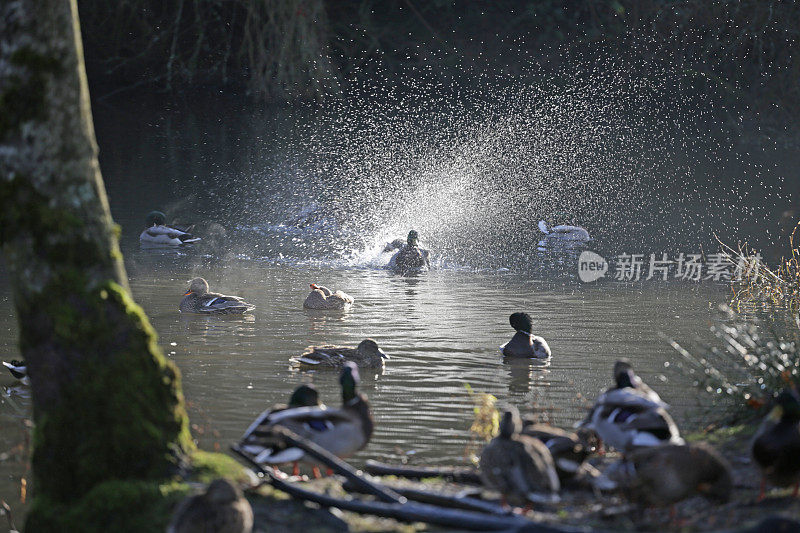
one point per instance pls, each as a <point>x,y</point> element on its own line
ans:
<point>510,423</point>
<point>304,396</point>
<point>369,348</point>
<point>197,286</point>
<point>222,491</point>
<point>622,366</point>
<point>413,238</point>
<point>349,380</point>
<point>787,406</point>
<point>324,290</point>
<point>155,218</point>
<point>625,379</point>
<point>521,322</point>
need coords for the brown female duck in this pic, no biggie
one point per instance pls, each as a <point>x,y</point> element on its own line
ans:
<point>198,300</point>
<point>367,354</point>
<point>322,298</point>
<point>221,509</point>
<point>520,468</point>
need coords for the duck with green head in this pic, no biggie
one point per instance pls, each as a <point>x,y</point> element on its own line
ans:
<point>158,233</point>
<point>198,299</point>
<point>776,445</point>
<point>341,431</point>
<point>410,257</point>
<point>524,343</point>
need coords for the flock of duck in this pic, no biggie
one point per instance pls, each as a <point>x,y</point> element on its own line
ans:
<point>527,462</point>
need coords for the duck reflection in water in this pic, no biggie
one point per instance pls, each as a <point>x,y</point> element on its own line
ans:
<point>522,373</point>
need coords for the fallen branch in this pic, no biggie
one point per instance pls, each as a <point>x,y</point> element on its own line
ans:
<point>446,500</point>
<point>455,474</point>
<point>331,461</point>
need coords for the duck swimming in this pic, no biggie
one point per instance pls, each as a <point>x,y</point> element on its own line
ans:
<point>409,257</point>
<point>341,431</point>
<point>158,233</point>
<point>776,445</point>
<point>367,354</point>
<point>563,233</point>
<point>322,298</point>
<point>524,343</point>
<point>198,300</point>
<point>520,468</point>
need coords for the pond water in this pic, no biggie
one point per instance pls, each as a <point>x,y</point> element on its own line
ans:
<point>279,211</point>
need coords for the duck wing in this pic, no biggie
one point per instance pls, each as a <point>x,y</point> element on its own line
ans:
<point>325,355</point>
<point>630,398</point>
<point>18,369</point>
<point>219,303</point>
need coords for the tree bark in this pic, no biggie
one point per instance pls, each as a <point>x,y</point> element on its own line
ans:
<point>107,405</point>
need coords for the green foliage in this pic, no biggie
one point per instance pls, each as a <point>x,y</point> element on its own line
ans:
<point>747,370</point>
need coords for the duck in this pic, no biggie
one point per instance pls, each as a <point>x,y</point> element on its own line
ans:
<point>198,300</point>
<point>342,431</point>
<point>563,234</point>
<point>18,369</point>
<point>569,450</point>
<point>222,508</point>
<point>524,343</point>
<point>367,354</point>
<point>520,468</point>
<point>627,418</point>
<point>628,388</point>
<point>157,232</point>
<point>665,475</point>
<point>410,257</point>
<point>776,444</point>
<point>322,298</point>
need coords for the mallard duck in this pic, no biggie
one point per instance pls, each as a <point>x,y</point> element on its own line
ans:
<point>520,468</point>
<point>776,445</point>
<point>627,418</point>
<point>563,235</point>
<point>18,369</point>
<point>367,354</point>
<point>221,509</point>
<point>198,300</point>
<point>664,475</point>
<point>569,451</point>
<point>341,431</point>
<point>322,298</point>
<point>410,257</point>
<point>158,233</point>
<point>524,343</point>
<point>628,390</point>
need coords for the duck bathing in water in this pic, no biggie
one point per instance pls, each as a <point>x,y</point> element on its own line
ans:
<point>158,233</point>
<point>524,343</point>
<point>410,256</point>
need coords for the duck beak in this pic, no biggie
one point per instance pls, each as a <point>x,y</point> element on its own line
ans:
<point>314,286</point>
<point>187,293</point>
<point>383,354</point>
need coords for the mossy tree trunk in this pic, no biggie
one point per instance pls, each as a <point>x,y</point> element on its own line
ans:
<point>107,405</point>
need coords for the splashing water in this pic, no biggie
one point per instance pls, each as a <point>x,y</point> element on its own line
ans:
<point>474,170</point>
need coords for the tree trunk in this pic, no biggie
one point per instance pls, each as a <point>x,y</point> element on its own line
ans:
<point>107,405</point>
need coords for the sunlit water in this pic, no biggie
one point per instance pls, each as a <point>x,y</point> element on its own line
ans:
<point>283,199</point>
